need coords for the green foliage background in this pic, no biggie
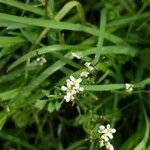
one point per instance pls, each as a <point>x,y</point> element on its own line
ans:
<point>112,34</point>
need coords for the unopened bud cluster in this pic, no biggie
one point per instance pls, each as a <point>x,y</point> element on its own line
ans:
<point>128,87</point>
<point>41,60</point>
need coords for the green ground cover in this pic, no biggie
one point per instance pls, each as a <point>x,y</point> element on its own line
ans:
<point>43,43</point>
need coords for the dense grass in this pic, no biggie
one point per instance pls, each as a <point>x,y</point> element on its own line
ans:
<point>111,34</point>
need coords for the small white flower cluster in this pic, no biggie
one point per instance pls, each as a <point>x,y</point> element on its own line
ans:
<point>41,60</point>
<point>73,84</point>
<point>84,74</point>
<point>73,87</point>
<point>106,134</point>
<point>75,55</point>
<point>129,87</point>
<point>89,67</point>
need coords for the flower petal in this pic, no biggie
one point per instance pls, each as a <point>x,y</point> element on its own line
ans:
<point>108,126</point>
<point>102,127</point>
<point>67,98</point>
<point>110,135</point>
<point>81,89</point>
<point>79,80</point>
<point>63,88</point>
<point>72,78</point>
<point>113,130</point>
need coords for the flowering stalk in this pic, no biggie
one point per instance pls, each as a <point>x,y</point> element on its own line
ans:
<point>73,86</point>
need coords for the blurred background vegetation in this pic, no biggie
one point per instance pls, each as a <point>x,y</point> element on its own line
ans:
<point>33,114</point>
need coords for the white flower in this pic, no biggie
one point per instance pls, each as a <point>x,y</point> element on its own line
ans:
<point>109,146</point>
<point>78,89</point>
<point>101,143</point>
<point>69,90</point>
<point>105,137</point>
<point>73,87</point>
<point>75,82</point>
<point>89,67</point>
<point>84,74</point>
<point>87,64</point>
<point>69,97</point>
<point>63,88</point>
<point>75,55</point>
<point>129,87</point>
<point>101,128</point>
<point>106,133</point>
<point>81,89</point>
<point>69,83</point>
<point>41,60</point>
<point>109,131</point>
<point>69,93</point>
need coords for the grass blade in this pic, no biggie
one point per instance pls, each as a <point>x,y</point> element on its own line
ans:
<point>24,6</point>
<point>46,49</point>
<point>10,41</point>
<point>101,36</point>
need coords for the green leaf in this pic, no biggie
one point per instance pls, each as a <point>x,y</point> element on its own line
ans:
<point>46,49</point>
<point>46,93</point>
<point>67,7</point>
<point>124,50</point>
<point>142,144</point>
<point>67,60</point>
<point>105,87</point>
<point>21,118</point>
<point>10,41</point>
<point>110,87</point>
<point>58,25</point>
<point>40,104</point>
<point>11,75</point>
<point>9,94</point>
<point>24,6</point>
<point>49,23</point>
<point>101,36</point>
<point>51,107</point>
<point>143,83</point>
<point>57,105</point>
<point>128,19</point>
<point>17,141</point>
<point>3,118</point>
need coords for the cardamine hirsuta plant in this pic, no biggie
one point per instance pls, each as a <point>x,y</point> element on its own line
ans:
<point>73,88</point>
<point>74,75</point>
